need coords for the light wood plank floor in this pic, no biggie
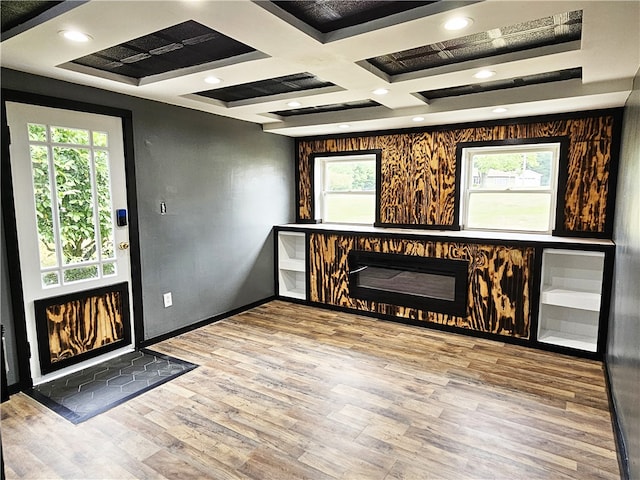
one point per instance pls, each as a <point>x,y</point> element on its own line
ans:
<point>292,392</point>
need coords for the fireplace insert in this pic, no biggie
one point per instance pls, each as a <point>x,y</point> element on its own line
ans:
<point>426,283</point>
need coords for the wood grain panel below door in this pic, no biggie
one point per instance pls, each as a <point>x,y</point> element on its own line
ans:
<point>79,326</point>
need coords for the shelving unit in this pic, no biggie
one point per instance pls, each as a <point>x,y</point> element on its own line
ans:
<point>570,298</point>
<point>292,265</point>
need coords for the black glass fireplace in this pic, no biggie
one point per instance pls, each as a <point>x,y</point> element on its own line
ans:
<point>426,283</point>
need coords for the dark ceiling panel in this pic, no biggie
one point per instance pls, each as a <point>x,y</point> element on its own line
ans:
<point>184,45</point>
<point>546,77</point>
<point>330,15</point>
<point>552,30</point>
<point>264,88</point>
<point>335,107</point>
<point>14,13</point>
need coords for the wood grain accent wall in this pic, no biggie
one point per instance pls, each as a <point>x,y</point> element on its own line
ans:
<point>418,170</point>
<point>80,326</point>
<point>500,280</point>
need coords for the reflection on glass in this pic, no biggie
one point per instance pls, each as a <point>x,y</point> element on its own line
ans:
<point>428,285</point>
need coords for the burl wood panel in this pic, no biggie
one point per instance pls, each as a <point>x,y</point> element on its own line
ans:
<point>499,280</point>
<point>418,170</point>
<point>80,326</point>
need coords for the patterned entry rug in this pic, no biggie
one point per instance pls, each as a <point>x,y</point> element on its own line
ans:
<point>94,390</point>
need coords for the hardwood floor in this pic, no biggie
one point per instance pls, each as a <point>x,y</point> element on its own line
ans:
<point>286,391</point>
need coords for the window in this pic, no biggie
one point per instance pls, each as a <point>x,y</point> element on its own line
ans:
<point>345,188</point>
<point>72,193</point>
<point>510,187</point>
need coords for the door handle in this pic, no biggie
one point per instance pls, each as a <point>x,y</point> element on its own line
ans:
<point>123,245</point>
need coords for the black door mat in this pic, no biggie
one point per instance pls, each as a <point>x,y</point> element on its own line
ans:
<point>94,390</point>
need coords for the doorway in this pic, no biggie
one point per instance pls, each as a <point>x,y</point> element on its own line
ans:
<point>72,235</point>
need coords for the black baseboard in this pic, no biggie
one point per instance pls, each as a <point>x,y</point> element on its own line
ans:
<point>621,447</point>
<point>202,323</point>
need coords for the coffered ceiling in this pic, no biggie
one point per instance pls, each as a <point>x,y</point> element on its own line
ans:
<point>316,67</point>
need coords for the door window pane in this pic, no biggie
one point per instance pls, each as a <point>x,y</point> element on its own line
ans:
<point>69,135</point>
<point>103,187</point>
<point>44,212</point>
<point>50,279</point>
<point>100,139</point>
<point>80,273</point>
<point>37,133</point>
<point>75,200</point>
<point>108,269</point>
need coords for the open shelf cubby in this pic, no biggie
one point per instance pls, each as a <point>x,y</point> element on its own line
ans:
<point>292,265</point>
<point>570,298</point>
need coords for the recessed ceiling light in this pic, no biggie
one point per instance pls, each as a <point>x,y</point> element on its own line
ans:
<point>212,80</point>
<point>484,74</point>
<point>499,110</point>
<point>344,126</point>
<point>294,104</point>
<point>457,23</point>
<point>380,91</point>
<point>75,36</point>
<point>417,119</point>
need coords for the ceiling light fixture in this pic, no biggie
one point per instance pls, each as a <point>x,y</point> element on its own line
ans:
<point>212,80</point>
<point>457,23</point>
<point>484,74</point>
<point>294,104</point>
<point>75,36</point>
<point>418,119</point>
<point>499,110</point>
<point>380,91</point>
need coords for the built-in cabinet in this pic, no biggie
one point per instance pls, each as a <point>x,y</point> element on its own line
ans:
<point>571,298</point>
<point>292,264</point>
<point>543,291</point>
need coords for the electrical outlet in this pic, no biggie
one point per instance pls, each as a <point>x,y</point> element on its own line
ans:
<point>166,298</point>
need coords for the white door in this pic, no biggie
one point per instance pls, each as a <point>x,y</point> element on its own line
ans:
<point>68,176</point>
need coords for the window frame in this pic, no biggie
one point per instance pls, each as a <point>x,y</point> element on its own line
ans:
<point>319,186</point>
<point>61,267</point>
<point>557,145</point>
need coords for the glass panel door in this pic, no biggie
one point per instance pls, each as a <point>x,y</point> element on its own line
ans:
<point>69,178</point>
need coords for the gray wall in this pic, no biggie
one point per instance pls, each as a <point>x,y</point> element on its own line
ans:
<point>225,184</point>
<point>623,349</point>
